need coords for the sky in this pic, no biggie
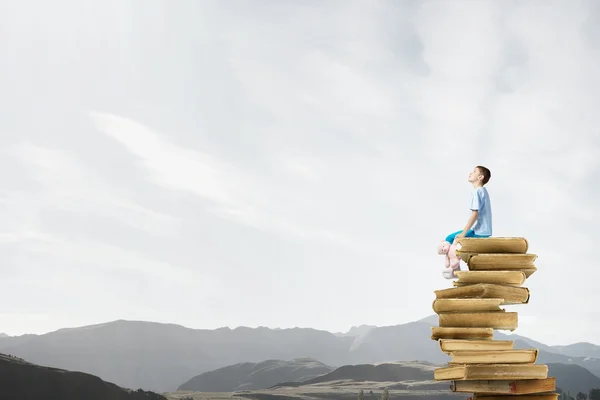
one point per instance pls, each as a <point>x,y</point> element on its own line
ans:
<point>291,164</point>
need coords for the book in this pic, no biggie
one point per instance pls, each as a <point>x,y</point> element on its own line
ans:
<point>508,294</point>
<point>499,277</point>
<point>528,271</point>
<point>492,262</point>
<point>486,389</point>
<point>494,319</point>
<point>466,304</point>
<point>491,372</point>
<point>515,396</point>
<point>515,245</point>
<point>450,345</point>
<point>499,262</point>
<point>459,284</point>
<point>438,332</point>
<point>512,356</point>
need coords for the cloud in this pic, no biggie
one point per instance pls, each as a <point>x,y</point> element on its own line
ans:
<point>234,194</point>
<point>66,183</point>
<point>171,166</point>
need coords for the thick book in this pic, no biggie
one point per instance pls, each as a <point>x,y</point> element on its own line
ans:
<point>451,345</point>
<point>438,332</point>
<point>485,389</point>
<point>516,245</point>
<point>512,356</point>
<point>491,372</point>
<point>516,278</point>
<point>494,319</point>
<point>509,294</point>
<point>514,396</point>
<point>503,262</point>
<point>466,305</point>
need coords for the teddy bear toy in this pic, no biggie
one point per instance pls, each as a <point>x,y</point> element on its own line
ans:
<point>451,259</point>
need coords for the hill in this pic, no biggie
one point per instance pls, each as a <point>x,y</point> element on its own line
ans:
<point>25,381</point>
<point>573,378</point>
<point>247,376</point>
<point>418,375</point>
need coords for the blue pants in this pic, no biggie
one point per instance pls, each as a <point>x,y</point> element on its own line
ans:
<point>470,233</point>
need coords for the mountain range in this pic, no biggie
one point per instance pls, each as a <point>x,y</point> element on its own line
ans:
<point>161,357</point>
<point>306,378</point>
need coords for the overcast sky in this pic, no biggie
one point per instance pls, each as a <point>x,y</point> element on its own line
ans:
<point>291,163</point>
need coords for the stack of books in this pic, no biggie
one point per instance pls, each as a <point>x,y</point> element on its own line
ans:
<point>471,310</point>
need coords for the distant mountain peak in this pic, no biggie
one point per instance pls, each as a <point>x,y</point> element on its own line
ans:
<point>3,335</point>
<point>432,320</point>
<point>357,330</point>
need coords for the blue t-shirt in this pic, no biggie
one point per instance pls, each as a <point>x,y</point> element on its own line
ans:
<point>481,202</point>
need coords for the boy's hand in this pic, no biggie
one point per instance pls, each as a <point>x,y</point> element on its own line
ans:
<point>460,235</point>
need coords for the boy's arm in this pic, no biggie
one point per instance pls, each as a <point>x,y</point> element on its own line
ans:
<point>475,206</point>
<point>470,223</point>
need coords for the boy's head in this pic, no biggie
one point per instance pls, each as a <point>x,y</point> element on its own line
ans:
<point>480,175</point>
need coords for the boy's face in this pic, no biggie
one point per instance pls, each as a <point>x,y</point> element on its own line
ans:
<point>475,175</point>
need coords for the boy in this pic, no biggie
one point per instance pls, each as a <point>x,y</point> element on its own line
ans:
<point>480,222</point>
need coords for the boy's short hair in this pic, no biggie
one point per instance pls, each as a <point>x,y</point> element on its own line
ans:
<point>485,172</point>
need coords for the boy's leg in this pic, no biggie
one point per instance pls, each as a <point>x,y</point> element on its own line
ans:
<point>450,237</point>
<point>470,233</point>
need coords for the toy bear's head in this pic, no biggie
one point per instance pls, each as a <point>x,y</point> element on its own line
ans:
<point>443,247</point>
